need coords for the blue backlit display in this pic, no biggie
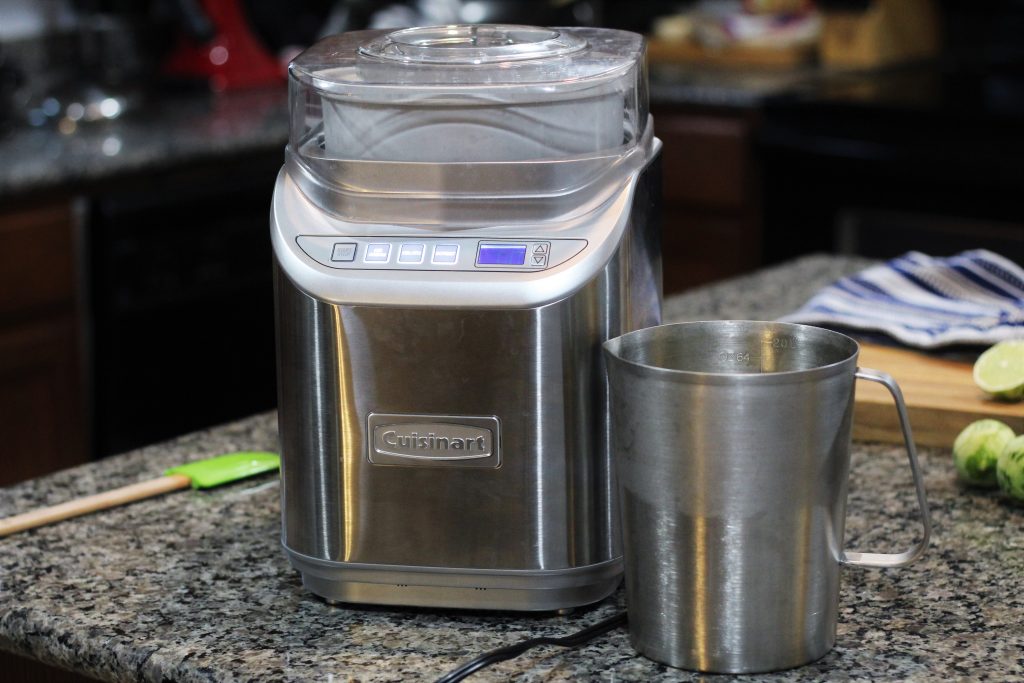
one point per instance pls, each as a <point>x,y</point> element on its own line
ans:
<point>501,254</point>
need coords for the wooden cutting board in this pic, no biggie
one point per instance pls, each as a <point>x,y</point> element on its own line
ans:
<point>941,397</point>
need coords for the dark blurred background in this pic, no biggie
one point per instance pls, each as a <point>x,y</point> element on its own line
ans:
<point>139,141</point>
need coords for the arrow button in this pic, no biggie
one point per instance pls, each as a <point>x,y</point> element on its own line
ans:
<point>541,248</point>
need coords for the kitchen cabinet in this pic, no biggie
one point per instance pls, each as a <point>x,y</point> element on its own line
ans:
<point>42,427</point>
<point>181,300</point>
<point>21,670</point>
<point>147,311</point>
<point>711,214</point>
<point>122,302</point>
<point>926,157</point>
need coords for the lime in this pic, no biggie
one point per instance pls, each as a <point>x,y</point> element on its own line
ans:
<point>1000,370</point>
<point>977,448</point>
<point>1010,468</point>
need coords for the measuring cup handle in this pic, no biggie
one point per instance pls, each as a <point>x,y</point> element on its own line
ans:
<point>907,556</point>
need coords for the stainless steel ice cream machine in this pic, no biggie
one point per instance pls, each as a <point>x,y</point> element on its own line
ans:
<point>464,215</point>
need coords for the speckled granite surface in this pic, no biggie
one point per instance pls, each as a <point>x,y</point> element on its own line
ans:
<point>764,295</point>
<point>193,586</point>
<point>699,84</point>
<point>176,129</point>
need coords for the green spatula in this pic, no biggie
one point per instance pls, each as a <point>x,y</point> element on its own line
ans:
<point>202,474</point>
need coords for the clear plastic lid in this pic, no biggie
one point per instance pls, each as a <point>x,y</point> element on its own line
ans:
<point>465,94</point>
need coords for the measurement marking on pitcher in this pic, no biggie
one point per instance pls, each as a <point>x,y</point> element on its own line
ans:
<point>775,347</point>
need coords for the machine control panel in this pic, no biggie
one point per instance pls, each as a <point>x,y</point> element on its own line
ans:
<point>438,253</point>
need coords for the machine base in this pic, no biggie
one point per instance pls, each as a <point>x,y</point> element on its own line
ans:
<point>492,589</point>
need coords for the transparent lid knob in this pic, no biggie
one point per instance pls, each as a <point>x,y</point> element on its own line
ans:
<point>472,44</point>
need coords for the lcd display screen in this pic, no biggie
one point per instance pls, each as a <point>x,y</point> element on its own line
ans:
<point>501,254</point>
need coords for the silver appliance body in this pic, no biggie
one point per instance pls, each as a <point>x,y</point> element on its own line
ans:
<point>443,405</point>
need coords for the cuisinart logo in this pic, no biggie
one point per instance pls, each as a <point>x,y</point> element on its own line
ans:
<point>428,440</point>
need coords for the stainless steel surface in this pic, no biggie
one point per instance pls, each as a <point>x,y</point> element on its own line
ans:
<point>731,444</point>
<point>904,558</point>
<point>534,590</point>
<point>548,507</point>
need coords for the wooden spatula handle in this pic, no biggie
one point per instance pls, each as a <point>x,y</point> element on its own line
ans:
<point>100,501</point>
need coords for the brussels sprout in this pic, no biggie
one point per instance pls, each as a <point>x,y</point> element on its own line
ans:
<point>1010,468</point>
<point>977,449</point>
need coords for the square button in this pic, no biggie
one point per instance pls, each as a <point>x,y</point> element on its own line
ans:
<point>411,253</point>
<point>377,253</point>
<point>445,253</point>
<point>344,252</point>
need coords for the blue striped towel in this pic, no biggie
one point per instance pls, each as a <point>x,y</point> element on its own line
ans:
<point>976,297</point>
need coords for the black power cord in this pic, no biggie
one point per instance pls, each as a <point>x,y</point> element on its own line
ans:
<point>510,651</point>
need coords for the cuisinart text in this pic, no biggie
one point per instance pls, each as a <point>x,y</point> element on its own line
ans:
<point>432,443</point>
<point>401,439</point>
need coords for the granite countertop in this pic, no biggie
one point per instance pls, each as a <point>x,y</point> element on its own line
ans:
<point>728,87</point>
<point>193,586</point>
<point>161,132</point>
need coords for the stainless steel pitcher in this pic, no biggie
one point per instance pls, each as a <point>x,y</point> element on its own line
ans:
<point>732,447</point>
